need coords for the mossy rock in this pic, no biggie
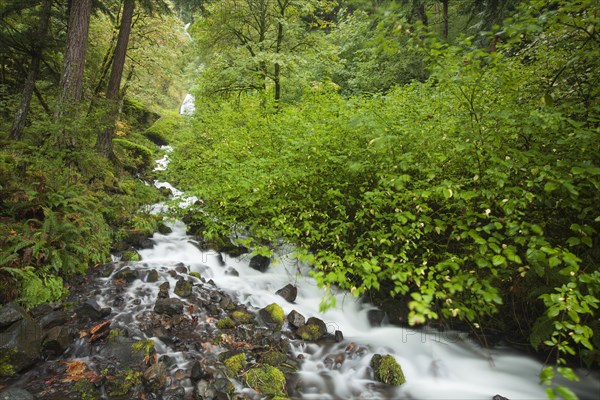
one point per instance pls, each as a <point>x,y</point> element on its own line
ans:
<point>310,333</point>
<point>242,317</point>
<point>146,346</point>
<point>165,128</point>
<point>387,370</point>
<point>195,274</point>
<point>225,323</point>
<point>273,315</point>
<point>267,380</point>
<point>235,364</point>
<point>273,358</point>
<point>131,255</point>
<point>134,157</point>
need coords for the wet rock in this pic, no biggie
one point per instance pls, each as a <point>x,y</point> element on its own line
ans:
<point>163,229</point>
<point>339,336</point>
<point>155,377</point>
<point>177,393</point>
<point>57,340</point>
<point>242,317</point>
<point>41,310</point>
<point>152,276</point>
<point>123,352</point>
<point>375,317</point>
<point>16,394</point>
<point>147,243</point>
<point>90,310</point>
<point>127,274</point>
<point>288,292</point>
<point>387,370</point>
<point>106,270</point>
<point>21,344</point>
<point>313,330</point>
<point>296,319</point>
<point>9,314</point>
<point>272,315</point>
<point>181,268</point>
<point>496,397</point>
<point>260,263</point>
<point>225,386</point>
<point>168,306</point>
<point>234,361</point>
<point>232,272</point>
<point>198,372</point>
<point>183,288</point>
<point>205,391</point>
<point>163,290</point>
<point>273,358</point>
<point>225,302</point>
<point>55,318</point>
<point>334,361</point>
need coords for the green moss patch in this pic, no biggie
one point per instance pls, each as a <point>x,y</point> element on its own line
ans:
<point>387,370</point>
<point>235,364</point>
<point>267,380</point>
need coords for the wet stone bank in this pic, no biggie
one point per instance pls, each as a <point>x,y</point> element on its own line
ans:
<point>161,331</point>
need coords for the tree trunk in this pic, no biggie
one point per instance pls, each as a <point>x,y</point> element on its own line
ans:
<point>104,144</point>
<point>71,79</point>
<point>16,131</point>
<point>445,6</point>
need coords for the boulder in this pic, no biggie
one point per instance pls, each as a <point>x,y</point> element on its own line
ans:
<point>16,394</point>
<point>169,307</point>
<point>296,319</point>
<point>198,372</point>
<point>183,288</point>
<point>266,380</point>
<point>288,292</point>
<point>272,315</point>
<point>55,318</point>
<point>387,370</point>
<point>260,263</point>
<point>314,329</point>
<point>21,344</point>
<point>91,310</point>
<point>127,274</point>
<point>155,377</point>
<point>152,276</point>
<point>375,317</point>
<point>163,290</point>
<point>57,340</point>
<point>9,314</point>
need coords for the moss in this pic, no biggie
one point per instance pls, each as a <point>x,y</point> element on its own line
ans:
<point>6,368</point>
<point>309,332</point>
<point>273,314</point>
<point>267,380</point>
<point>387,370</point>
<point>225,323</point>
<point>124,383</point>
<point>235,364</point>
<point>134,157</point>
<point>165,128</point>
<point>131,255</point>
<point>272,357</point>
<point>195,275</point>
<point>242,317</point>
<point>147,346</point>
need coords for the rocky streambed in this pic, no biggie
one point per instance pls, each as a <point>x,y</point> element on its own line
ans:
<point>163,331</point>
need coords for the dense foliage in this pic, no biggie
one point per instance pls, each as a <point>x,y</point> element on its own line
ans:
<point>467,195</point>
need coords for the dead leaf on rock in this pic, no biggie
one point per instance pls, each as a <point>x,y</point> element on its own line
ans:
<point>99,331</point>
<point>77,371</point>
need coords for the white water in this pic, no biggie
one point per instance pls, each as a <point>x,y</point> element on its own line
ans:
<point>188,107</point>
<point>436,365</point>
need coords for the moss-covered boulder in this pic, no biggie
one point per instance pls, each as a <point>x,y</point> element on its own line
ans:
<point>234,364</point>
<point>313,330</point>
<point>183,288</point>
<point>242,317</point>
<point>134,157</point>
<point>272,315</point>
<point>266,380</point>
<point>131,255</point>
<point>273,358</point>
<point>225,323</point>
<point>387,370</point>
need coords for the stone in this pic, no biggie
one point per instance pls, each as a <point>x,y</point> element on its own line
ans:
<point>127,274</point>
<point>225,386</point>
<point>273,358</point>
<point>155,377</point>
<point>183,288</point>
<point>339,336</point>
<point>232,272</point>
<point>260,263</point>
<point>181,268</point>
<point>152,276</point>
<point>168,306</point>
<point>16,394</point>
<point>9,314</point>
<point>163,290</point>
<point>22,343</point>
<point>55,318</point>
<point>205,390</point>
<point>288,292</point>
<point>234,361</point>
<point>91,310</point>
<point>242,317</point>
<point>496,397</point>
<point>314,329</point>
<point>272,315</point>
<point>57,340</point>
<point>198,372</point>
<point>266,380</point>
<point>387,370</point>
<point>375,317</point>
<point>296,319</point>
<point>163,229</point>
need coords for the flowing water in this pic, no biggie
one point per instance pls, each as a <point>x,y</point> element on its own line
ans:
<point>437,365</point>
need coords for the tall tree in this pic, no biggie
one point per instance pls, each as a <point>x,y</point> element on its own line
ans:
<point>104,144</point>
<point>16,132</point>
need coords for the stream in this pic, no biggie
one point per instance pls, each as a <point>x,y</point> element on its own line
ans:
<point>437,365</point>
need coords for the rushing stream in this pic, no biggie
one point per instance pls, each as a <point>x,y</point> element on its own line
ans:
<point>437,365</point>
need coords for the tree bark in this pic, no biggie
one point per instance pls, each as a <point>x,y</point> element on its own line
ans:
<point>445,11</point>
<point>16,131</point>
<point>71,79</point>
<point>104,144</point>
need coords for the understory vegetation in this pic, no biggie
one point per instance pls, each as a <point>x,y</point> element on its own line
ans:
<point>465,194</point>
